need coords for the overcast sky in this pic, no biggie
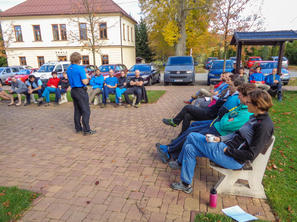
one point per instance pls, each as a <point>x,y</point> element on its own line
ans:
<point>278,15</point>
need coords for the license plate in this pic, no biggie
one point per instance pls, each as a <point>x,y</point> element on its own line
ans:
<point>178,80</point>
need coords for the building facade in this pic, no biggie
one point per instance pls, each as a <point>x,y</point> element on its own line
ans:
<point>33,37</point>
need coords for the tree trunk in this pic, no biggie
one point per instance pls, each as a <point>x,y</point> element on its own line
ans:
<point>180,48</point>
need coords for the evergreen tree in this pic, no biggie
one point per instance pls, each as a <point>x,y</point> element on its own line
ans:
<point>141,39</point>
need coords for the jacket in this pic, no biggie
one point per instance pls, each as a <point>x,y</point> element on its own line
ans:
<point>257,77</point>
<point>97,82</point>
<point>53,81</point>
<point>269,80</point>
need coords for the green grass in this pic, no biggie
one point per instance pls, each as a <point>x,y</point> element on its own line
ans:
<point>214,218</point>
<point>13,202</point>
<point>293,81</point>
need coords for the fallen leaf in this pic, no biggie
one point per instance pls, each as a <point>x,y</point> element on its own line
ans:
<point>2,194</point>
<point>113,161</point>
<point>9,213</point>
<point>33,154</point>
<point>286,113</point>
<point>6,203</point>
<point>88,202</point>
<point>97,182</point>
<point>274,166</point>
<point>289,209</point>
<point>281,170</point>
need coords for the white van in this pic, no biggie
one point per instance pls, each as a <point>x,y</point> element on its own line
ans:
<point>45,71</point>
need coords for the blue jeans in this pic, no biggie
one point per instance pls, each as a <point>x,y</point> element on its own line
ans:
<point>46,93</point>
<point>119,93</point>
<point>106,92</point>
<point>197,146</point>
<point>58,94</point>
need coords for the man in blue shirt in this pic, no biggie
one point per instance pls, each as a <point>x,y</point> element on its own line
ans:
<point>97,85</point>
<point>34,87</point>
<point>78,81</point>
<point>275,83</point>
<point>259,79</point>
<point>110,85</point>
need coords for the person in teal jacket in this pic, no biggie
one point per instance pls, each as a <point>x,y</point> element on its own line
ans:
<point>231,121</point>
<point>97,84</point>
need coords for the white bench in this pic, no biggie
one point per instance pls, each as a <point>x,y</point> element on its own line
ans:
<point>228,183</point>
<point>63,98</point>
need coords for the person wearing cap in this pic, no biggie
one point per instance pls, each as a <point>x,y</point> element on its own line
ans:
<point>78,80</point>
<point>51,87</point>
<point>34,87</point>
<point>18,87</point>
<point>259,79</point>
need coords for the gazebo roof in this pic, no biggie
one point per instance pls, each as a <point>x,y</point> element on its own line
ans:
<point>263,38</point>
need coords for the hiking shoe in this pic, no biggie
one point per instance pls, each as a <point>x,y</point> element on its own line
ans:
<point>90,132</point>
<point>174,165</point>
<point>182,187</point>
<point>169,122</point>
<point>163,154</point>
<point>187,102</point>
<point>136,106</point>
<point>78,131</point>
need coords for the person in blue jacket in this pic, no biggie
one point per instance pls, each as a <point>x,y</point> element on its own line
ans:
<point>110,85</point>
<point>122,87</point>
<point>258,78</point>
<point>97,85</point>
<point>275,83</point>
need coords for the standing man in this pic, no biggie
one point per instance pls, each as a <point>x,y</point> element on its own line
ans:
<point>136,85</point>
<point>78,81</point>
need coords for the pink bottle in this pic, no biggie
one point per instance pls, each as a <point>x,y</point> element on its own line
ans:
<point>213,196</point>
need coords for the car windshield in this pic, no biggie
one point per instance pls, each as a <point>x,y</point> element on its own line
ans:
<point>180,61</point>
<point>268,65</point>
<point>255,59</point>
<point>141,68</point>
<point>105,68</point>
<point>219,65</point>
<point>46,68</point>
<point>1,69</point>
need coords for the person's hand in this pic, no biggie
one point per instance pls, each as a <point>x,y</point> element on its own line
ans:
<point>53,86</point>
<point>216,139</point>
<point>230,120</point>
<point>225,149</point>
<point>30,91</point>
<point>275,81</point>
<point>125,84</point>
<point>10,91</point>
<point>87,75</point>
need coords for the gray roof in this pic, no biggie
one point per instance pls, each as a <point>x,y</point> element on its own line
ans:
<point>263,38</point>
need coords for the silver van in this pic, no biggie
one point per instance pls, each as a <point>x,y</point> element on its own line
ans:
<point>6,72</point>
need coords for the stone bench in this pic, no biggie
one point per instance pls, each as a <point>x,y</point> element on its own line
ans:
<point>228,183</point>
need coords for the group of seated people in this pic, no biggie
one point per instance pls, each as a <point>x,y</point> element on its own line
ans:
<point>235,118</point>
<point>98,85</point>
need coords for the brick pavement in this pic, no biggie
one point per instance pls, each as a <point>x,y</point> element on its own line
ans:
<point>39,151</point>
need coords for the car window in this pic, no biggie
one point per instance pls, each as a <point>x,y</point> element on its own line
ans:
<point>141,68</point>
<point>15,69</point>
<point>58,68</point>
<point>118,68</point>
<point>8,70</point>
<point>175,61</point>
<point>105,68</point>
<point>46,68</point>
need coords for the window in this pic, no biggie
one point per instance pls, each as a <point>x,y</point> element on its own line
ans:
<point>131,34</point>
<point>14,69</point>
<point>103,30</point>
<point>124,32</point>
<point>85,60</point>
<point>37,32</point>
<point>104,59</point>
<point>40,60</point>
<point>23,61</point>
<point>128,32</point>
<point>58,68</point>
<point>62,58</point>
<point>56,32</point>
<point>8,70</point>
<point>18,33</point>
<point>83,31</point>
<point>63,32</point>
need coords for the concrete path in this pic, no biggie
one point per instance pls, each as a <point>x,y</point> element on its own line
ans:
<point>114,175</point>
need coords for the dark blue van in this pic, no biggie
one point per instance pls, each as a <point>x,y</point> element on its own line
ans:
<point>216,70</point>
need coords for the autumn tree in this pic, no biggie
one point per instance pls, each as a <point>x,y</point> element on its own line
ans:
<point>232,15</point>
<point>178,22</point>
<point>141,41</point>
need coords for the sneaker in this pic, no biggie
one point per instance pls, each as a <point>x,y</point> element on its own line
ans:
<point>136,106</point>
<point>40,103</point>
<point>174,165</point>
<point>182,187</point>
<point>187,102</point>
<point>108,100</point>
<point>163,153</point>
<point>90,132</point>
<point>169,122</point>
<point>46,104</point>
<point>78,131</point>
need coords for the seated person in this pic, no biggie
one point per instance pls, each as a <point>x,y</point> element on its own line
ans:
<point>136,84</point>
<point>110,85</point>
<point>220,126</point>
<point>62,87</point>
<point>275,83</point>
<point>205,93</point>
<point>51,87</point>
<point>230,151</point>
<point>122,87</point>
<point>243,75</point>
<point>18,87</point>
<point>34,87</point>
<point>3,94</point>
<point>259,79</point>
<point>190,112</point>
<point>97,85</point>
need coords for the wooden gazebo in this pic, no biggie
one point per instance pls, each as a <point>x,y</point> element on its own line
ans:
<point>263,38</point>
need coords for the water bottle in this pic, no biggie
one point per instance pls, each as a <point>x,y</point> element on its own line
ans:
<point>213,196</point>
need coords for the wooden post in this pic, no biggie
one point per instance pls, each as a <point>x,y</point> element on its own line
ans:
<point>238,56</point>
<point>280,57</point>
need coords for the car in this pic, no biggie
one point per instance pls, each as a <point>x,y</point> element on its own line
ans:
<point>208,62</point>
<point>179,69</point>
<point>45,71</point>
<point>90,69</point>
<point>266,69</point>
<point>149,72</point>
<point>22,75</point>
<point>285,62</point>
<point>233,59</point>
<point>251,60</point>
<point>216,69</point>
<point>6,72</point>
<point>117,68</point>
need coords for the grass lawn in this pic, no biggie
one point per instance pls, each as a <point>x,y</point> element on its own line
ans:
<point>13,202</point>
<point>215,218</point>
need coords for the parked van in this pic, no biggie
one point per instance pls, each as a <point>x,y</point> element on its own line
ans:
<point>45,71</point>
<point>179,69</point>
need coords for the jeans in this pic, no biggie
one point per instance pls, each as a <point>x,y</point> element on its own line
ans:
<point>58,94</point>
<point>28,96</point>
<point>119,93</point>
<point>134,90</point>
<point>197,146</point>
<point>82,110</point>
<point>106,92</point>
<point>46,93</point>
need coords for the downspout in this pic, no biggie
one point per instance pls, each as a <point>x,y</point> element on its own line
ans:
<point>121,39</point>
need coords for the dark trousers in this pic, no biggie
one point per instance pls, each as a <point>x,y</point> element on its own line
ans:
<point>106,92</point>
<point>276,89</point>
<point>189,113</point>
<point>58,94</point>
<point>28,96</point>
<point>81,109</point>
<point>134,90</point>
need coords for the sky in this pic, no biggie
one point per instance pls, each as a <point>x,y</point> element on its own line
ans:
<point>278,15</point>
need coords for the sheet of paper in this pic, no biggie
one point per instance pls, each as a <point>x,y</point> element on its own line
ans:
<point>238,214</point>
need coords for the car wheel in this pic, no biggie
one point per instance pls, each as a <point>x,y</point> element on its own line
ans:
<point>149,82</point>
